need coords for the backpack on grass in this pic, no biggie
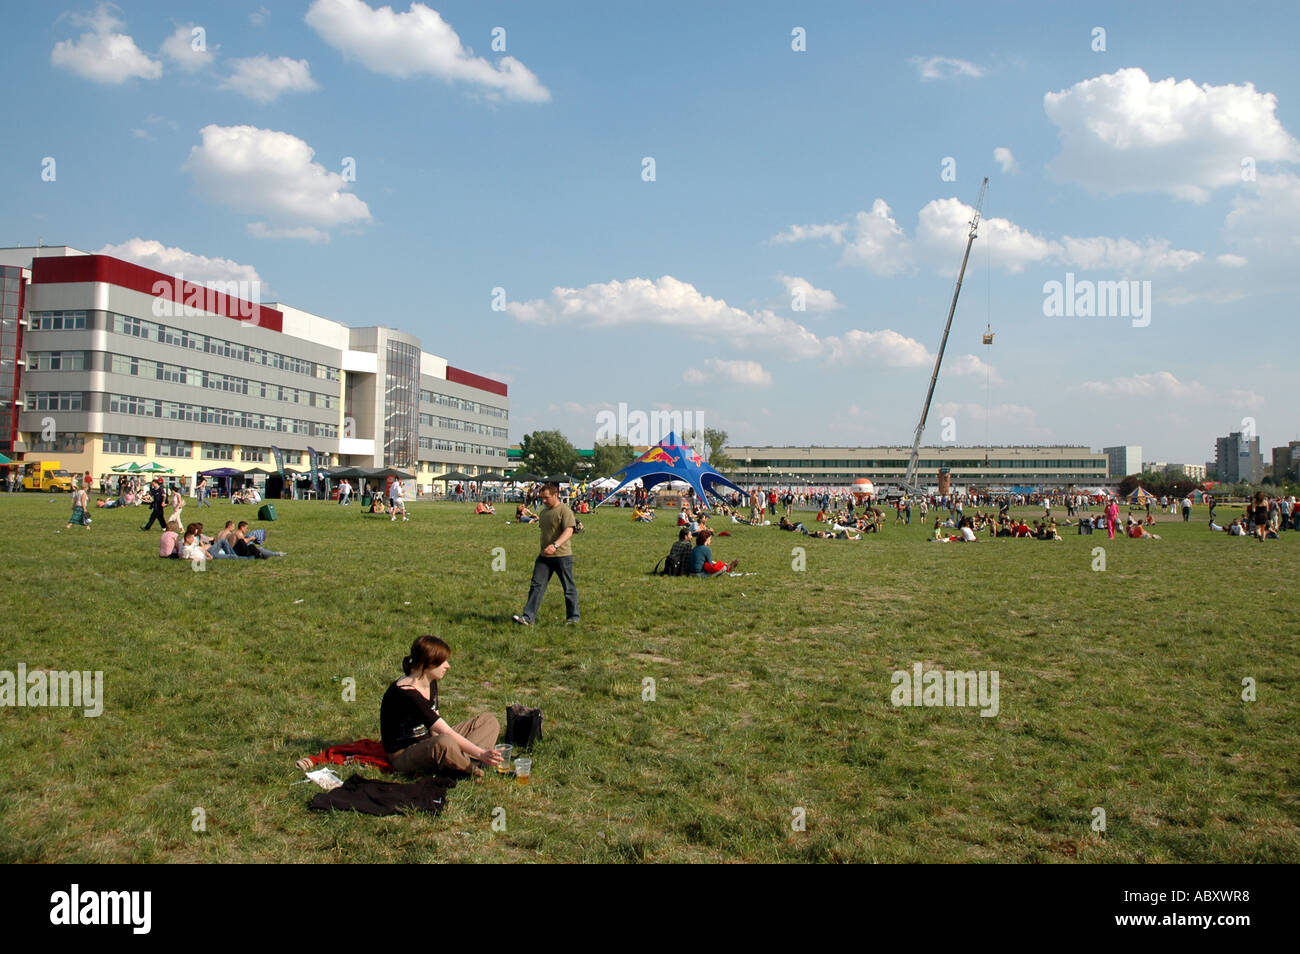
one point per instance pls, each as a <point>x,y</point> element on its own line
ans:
<point>672,566</point>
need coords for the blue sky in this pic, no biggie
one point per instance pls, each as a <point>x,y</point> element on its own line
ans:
<point>777,174</point>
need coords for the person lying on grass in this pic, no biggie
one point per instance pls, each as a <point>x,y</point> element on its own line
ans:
<point>702,562</point>
<point>524,515</point>
<point>416,737</point>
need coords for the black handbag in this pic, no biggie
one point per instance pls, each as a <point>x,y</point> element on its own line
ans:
<point>523,726</point>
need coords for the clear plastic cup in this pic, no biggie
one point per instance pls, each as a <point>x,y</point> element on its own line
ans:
<point>503,767</point>
<point>524,771</point>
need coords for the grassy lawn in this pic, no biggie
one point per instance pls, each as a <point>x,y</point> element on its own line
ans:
<point>1119,689</point>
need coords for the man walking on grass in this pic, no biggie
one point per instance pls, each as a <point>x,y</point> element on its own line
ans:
<point>557,525</point>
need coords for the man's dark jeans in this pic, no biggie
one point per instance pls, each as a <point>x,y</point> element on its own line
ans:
<point>543,570</point>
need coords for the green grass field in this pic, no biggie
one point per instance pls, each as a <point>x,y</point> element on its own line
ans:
<point>1120,689</point>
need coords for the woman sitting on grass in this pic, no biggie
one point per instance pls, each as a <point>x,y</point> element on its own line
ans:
<point>702,562</point>
<point>416,737</point>
<point>524,515</point>
<point>483,507</point>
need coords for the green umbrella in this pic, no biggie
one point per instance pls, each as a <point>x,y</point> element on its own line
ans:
<point>5,460</point>
<point>155,468</point>
<point>131,468</point>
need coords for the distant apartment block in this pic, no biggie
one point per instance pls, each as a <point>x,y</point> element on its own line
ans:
<point>1237,459</point>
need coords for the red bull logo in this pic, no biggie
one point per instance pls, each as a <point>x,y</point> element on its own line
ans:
<point>695,459</point>
<point>658,455</point>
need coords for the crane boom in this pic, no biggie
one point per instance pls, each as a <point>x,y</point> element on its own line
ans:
<point>910,480</point>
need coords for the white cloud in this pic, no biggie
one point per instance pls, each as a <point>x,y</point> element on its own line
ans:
<point>745,373</point>
<point>264,79</point>
<point>1124,255</point>
<point>876,240</point>
<point>102,54</point>
<point>418,42</point>
<point>667,302</point>
<point>306,232</point>
<point>886,347</point>
<point>1123,133</point>
<point>1003,157</point>
<point>1231,261</point>
<point>271,173</point>
<point>179,50</point>
<point>803,233</point>
<point>141,134</point>
<point>259,16</point>
<point>944,224</point>
<point>1265,220</point>
<point>169,260</point>
<point>1163,384</point>
<point>814,299</point>
<point>971,365</point>
<point>945,67</point>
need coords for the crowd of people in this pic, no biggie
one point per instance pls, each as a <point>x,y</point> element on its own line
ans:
<point>233,541</point>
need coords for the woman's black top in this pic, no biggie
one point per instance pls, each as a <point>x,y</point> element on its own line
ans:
<point>405,716</point>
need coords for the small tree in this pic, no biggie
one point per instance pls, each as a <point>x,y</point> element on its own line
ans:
<point>608,458</point>
<point>709,444</point>
<point>550,451</point>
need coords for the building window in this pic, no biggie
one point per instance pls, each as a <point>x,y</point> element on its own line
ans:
<point>218,452</point>
<point>59,320</point>
<point>56,361</point>
<point>55,400</point>
<point>253,454</point>
<point>70,443</point>
<point>123,444</point>
<point>401,404</point>
<point>170,448</point>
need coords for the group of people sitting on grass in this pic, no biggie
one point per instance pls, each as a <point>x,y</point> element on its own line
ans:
<point>247,495</point>
<point>643,513</point>
<point>688,558</point>
<point>484,509</point>
<point>235,541</point>
<point>965,528</point>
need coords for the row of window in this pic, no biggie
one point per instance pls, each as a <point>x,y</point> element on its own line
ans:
<point>462,404</point>
<point>1027,464</point>
<point>129,444</point>
<point>433,443</point>
<point>59,320</point>
<point>62,443</point>
<point>56,400</point>
<point>153,331</point>
<point>248,420</point>
<point>143,367</point>
<point>56,361</point>
<point>431,420</point>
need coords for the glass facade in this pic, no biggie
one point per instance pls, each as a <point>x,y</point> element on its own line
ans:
<point>12,289</point>
<point>401,403</point>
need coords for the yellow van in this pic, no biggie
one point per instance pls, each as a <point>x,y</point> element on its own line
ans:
<point>46,475</point>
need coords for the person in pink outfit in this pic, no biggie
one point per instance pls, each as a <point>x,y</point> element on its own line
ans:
<point>1112,518</point>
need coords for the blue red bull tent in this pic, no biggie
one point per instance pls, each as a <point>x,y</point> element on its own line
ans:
<point>671,460</point>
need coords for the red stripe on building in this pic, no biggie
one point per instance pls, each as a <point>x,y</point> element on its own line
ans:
<point>472,380</point>
<point>75,269</point>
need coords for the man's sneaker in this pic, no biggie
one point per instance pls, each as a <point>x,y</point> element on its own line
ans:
<point>522,620</point>
<point>572,620</point>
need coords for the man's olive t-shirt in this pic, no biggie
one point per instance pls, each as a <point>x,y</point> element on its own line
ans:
<point>554,521</point>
